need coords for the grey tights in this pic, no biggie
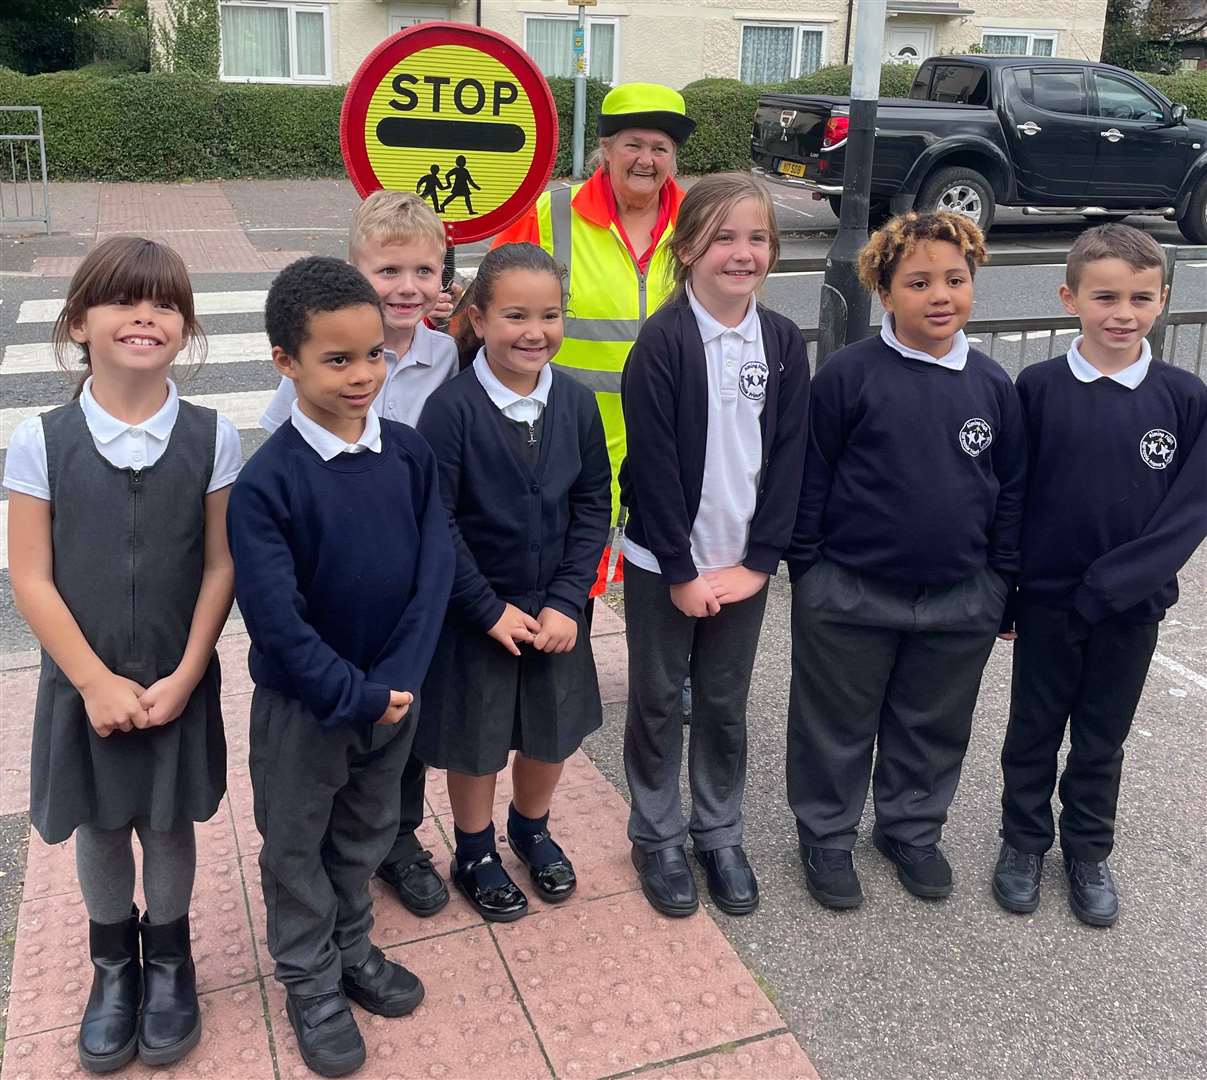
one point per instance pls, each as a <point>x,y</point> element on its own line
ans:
<point>104,861</point>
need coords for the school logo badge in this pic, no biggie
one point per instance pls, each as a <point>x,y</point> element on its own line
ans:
<point>976,436</point>
<point>752,379</point>
<point>1157,448</point>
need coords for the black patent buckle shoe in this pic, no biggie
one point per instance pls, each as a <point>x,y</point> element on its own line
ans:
<point>328,1039</point>
<point>382,986</point>
<point>554,880</point>
<point>1016,879</point>
<point>495,903</point>
<point>830,877</point>
<point>420,889</point>
<point>922,869</point>
<point>731,882</point>
<point>666,881</point>
<point>1092,894</point>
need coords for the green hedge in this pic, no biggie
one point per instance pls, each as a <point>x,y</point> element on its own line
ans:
<point>175,126</point>
<point>160,126</point>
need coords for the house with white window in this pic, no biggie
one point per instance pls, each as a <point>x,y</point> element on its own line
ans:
<point>669,41</point>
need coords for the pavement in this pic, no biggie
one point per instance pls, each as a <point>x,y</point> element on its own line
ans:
<point>599,986</point>
<point>900,988</point>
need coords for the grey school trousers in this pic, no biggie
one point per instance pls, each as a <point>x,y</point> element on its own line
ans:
<point>665,646</point>
<point>326,804</point>
<point>895,669</point>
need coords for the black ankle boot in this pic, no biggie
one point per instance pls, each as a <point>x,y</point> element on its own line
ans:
<point>171,1017</point>
<point>109,1029</point>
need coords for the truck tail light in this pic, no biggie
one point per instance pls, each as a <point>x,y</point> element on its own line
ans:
<point>835,132</point>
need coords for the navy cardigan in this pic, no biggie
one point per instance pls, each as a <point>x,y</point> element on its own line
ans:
<point>528,536</point>
<point>664,392</point>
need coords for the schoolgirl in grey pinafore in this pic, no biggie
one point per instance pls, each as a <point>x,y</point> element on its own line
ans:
<point>129,550</point>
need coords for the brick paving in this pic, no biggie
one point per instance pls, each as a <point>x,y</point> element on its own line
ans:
<point>599,986</point>
<point>197,220</point>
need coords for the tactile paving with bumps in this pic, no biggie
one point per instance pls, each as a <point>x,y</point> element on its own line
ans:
<point>597,986</point>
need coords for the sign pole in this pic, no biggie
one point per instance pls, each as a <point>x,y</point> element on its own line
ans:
<point>580,92</point>
<point>846,307</point>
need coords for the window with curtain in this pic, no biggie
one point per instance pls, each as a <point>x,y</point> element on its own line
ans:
<point>273,41</point>
<point>772,53</point>
<point>1018,43</point>
<point>550,42</point>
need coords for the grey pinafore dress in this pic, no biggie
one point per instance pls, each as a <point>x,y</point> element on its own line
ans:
<point>128,558</point>
<point>480,702</point>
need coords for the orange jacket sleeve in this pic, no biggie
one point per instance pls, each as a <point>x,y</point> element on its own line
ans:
<point>525,231</point>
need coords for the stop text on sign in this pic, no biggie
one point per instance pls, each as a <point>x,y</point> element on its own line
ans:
<point>468,96</point>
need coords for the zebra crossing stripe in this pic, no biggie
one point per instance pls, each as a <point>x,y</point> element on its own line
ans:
<point>206,303</point>
<point>243,409</point>
<point>222,349</point>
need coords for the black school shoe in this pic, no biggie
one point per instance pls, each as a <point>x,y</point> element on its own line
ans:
<point>328,1039</point>
<point>171,1018</point>
<point>731,882</point>
<point>495,903</point>
<point>923,870</point>
<point>417,884</point>
<point>1092,894</point>
<point>666,880</point>
<point>381,986</point>
<point>1016,879</point>
<point>554,879</point>
<point>830,877</point>
<point>108,1036</point>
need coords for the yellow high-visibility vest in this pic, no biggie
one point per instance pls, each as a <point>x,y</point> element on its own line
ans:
<point>609,299</point>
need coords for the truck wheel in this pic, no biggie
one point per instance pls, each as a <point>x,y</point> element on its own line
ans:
<point>959,191</point>
<point>1193,223</point>
<point>878,211</point>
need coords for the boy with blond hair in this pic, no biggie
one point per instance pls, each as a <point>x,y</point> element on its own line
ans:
<point>398,244</point>
<point>1116,504</point>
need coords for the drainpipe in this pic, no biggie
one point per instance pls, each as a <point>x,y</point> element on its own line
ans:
<point>846,43</point>
<point>478,13</point>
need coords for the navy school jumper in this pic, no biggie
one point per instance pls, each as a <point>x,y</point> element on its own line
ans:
<point>342,570</point>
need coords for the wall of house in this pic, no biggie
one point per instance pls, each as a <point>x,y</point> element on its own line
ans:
<point>678,41</point>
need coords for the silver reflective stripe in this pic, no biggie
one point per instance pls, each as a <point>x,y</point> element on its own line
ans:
<point>559,219</point>
<point>600,382</point>
<point>602,329</point>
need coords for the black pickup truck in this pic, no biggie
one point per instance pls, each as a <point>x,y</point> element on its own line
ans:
<point>979,132</point>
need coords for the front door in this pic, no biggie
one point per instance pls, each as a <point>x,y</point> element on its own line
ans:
<point>1137,159</point>
<point>908,44</point>
<point>1051,135</point>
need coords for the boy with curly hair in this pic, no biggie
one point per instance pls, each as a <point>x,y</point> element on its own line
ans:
<point>905,545</point>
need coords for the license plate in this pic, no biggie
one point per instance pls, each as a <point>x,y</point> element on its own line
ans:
<point>791,168</point>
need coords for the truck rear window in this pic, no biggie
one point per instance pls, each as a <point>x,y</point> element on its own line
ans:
<point>959,84</point>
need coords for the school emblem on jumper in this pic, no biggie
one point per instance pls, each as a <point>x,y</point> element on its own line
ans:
<point>752,379</point>
<point>975,436</point>
<point>1157,448</point>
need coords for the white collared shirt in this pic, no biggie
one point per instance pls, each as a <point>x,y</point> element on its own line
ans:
<point>1131,376</point>
<point>955,358</point>
<point>733,452</point>
<point>512,405</point>
<point>410,380</point>
<point>124,446</point>
<point>328,445</point>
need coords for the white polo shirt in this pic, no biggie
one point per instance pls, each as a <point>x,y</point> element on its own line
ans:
<point>1131,376</point>
<point>125,446</point>
<point>410,380</point>
<point>329,445</point>
<point>955,358</point>
<point>733,453</point>
<point>508,402</point>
